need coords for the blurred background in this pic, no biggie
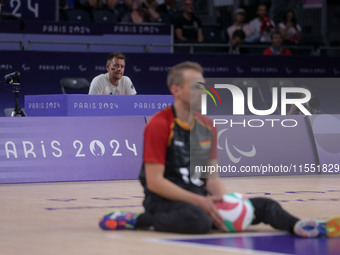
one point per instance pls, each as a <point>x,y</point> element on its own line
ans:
<point>46,41</point>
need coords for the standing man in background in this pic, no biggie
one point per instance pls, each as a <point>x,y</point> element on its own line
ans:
<point>188,27</point>
<point>113,82</point>
<point>261,26</point>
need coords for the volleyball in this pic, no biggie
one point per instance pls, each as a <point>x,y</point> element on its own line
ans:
<point>236,210</point>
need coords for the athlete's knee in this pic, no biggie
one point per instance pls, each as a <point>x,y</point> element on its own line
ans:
<point>261,203</point>
<point>271,204</point>
<point>263,207</point>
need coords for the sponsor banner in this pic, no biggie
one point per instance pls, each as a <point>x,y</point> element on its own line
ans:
<point>46,105</point>
<point>53,149</point>
<point>85,37</point>
<point>71,28</point>
<point>326,130</point>
<point>62,28</point>
<point>95,105</point>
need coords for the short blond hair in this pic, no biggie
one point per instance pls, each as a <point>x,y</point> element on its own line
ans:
<point>175,74</point>
<point>113,55</point>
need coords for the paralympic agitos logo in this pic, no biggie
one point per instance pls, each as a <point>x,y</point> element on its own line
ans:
<point>239,99</point>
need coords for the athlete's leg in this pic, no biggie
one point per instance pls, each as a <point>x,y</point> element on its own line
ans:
<point>270,212</point>
<point>165,216</point>
<point>177,217</point>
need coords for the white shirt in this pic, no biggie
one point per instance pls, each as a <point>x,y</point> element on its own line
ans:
<point>291,31</point>
<point>101,85</point>
<point>255,26</point>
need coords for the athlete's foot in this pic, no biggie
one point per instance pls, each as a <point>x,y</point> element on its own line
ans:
<point>117,220</point>
<point>329,227</point>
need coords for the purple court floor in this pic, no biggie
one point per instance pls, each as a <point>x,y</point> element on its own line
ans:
<point>268,244</point>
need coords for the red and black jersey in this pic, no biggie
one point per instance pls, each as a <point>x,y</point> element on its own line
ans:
<point>180,148</point>
<point>283,51</point>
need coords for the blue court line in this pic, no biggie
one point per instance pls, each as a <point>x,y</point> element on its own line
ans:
<point>109,198</point>
<point>90,207</point>
<point>62,200</point>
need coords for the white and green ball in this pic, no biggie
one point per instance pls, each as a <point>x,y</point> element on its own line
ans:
<point>236,210</point>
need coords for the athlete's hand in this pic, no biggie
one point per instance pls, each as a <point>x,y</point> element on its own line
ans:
<point>208,204</point>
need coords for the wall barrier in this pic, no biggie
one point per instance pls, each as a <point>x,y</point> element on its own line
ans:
<point>42,71</point>
<point>51,149</point>
<point>326,132</point>
<point>45,149</point>
<point>84,37</point>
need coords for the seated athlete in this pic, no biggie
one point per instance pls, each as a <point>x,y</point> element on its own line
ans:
<point>176,201</point>
<point>114,82</point>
